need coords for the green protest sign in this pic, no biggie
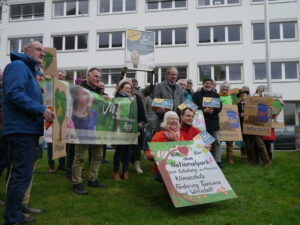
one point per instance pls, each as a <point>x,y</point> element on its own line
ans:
<point>190,173</point>
<point>91,119</point>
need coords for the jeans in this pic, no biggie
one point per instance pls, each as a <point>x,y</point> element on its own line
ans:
<point>148,137</point>
<point>22,149</point>
<point>51,162</point>
<point>216,145</point>
<point>70,158</point>
<point>122,154</point>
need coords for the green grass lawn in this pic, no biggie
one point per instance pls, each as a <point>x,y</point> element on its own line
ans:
<point>265,196</point>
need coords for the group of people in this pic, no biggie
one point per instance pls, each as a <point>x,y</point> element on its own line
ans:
<point>24,114</point>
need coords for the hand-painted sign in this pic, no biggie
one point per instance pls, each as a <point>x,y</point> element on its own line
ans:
<point>190,173</point>
<point>211,102</point>
<point>188,104</point>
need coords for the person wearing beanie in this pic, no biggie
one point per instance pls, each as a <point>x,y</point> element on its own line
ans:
<point>211,116</point>
<point>227,100</point>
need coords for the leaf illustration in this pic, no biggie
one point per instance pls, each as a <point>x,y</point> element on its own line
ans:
<point>48,58</point>
<point>60,105</point>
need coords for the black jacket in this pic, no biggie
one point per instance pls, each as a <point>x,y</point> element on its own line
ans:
<point>211,120</point>
<point>96,90</point>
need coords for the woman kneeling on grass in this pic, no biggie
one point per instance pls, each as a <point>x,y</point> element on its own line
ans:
<point>170,131</point>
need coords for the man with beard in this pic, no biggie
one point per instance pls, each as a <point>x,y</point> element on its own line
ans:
<point>211,116</point>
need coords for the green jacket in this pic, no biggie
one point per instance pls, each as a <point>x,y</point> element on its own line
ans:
<point>226,100</point>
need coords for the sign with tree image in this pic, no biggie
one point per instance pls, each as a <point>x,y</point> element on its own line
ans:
<point>50,62</point>
<point>190,173</point>
<point>59,134</point>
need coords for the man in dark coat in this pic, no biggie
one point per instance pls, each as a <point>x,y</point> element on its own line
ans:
<point>211,116</point>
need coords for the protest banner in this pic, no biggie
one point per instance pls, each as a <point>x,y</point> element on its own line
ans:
<point>211,102</point>
<point>199,120</point>
<point>139,54</point>
<point>258,116</point>
<point>50,61</point>
<point>59,134</point>
<point>188,104</point>
<point>230,128</point>
<point>167,104</point>
<point>91,119</point>
<point>190,173</point>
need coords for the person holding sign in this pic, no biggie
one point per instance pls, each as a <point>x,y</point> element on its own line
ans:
<point>170,131</point>
<point>211,115</point>
<point>226,99</point>
<point>168,89</point>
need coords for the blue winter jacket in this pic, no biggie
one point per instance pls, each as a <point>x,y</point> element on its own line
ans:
<point>22,97</point>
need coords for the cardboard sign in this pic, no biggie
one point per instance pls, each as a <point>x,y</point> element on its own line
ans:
<point>211,102</point>
<point>230,128</point>
<point>199,120</point>
<point>277,109</point>
<point>188,104</point>
<point>167,104</point>
<point>139,54</point>
<point>258,116</point>
<point>205,137</point>
<point>50,61</point>
<point>190,173</point>
<point>59,132</point>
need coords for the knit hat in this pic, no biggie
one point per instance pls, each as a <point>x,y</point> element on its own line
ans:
<point>242,91</point>
<point>207,79</point>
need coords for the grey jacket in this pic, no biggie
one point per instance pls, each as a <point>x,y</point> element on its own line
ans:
<point>164,91</point>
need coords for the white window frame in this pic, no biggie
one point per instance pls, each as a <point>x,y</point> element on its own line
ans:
<point>64,42</point>
<point>75,70</point>
<point>211,33</point>
<point>110,40</point>
<point>282,62</point>
<point>162,9</point>
<point>173,36</point>
<point>272,2</point>
<point>212,74</point>
<point>211,4</point>
<point>109,84</point>
<point>22,16</point>
<point>111,8</point>
<point>281,39</point>
<point>65,9</point>
<point>160,67</point>
<point>20,39</point>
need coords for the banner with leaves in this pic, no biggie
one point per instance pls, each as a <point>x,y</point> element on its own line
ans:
<point>92,119</point>
<point>190,173</point>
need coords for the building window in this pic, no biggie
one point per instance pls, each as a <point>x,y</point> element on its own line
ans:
<point>161,74</point>
<point>270,1</point>
<point>205,3</point>
<point>163,5</point>
<point>72,75</point>
<point>112,76</point>
<point>280,71</point>
<point>116,6</point>
<point>70,8</point>
<point>108,40</point>
<point>278,31</point>
<point>221,72</point>
<point>70,42</point>
<point>219,34</point>
<point>172,36</point>
<point>18,44</point>
<point>27,11</point>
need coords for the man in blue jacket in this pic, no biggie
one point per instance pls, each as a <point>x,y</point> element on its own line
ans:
<point>23,121</point>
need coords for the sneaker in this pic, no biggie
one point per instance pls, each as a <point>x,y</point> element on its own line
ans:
<point>52,169</point>
<point>96,184</point>
<point>125,176</point>
<point>79,189</point>
<point>27,209</point>
<point>137,167</point>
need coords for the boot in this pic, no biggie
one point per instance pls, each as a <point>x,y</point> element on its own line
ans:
<point>125,175</point>
<point>137,167</point>
<point>116,176</point>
